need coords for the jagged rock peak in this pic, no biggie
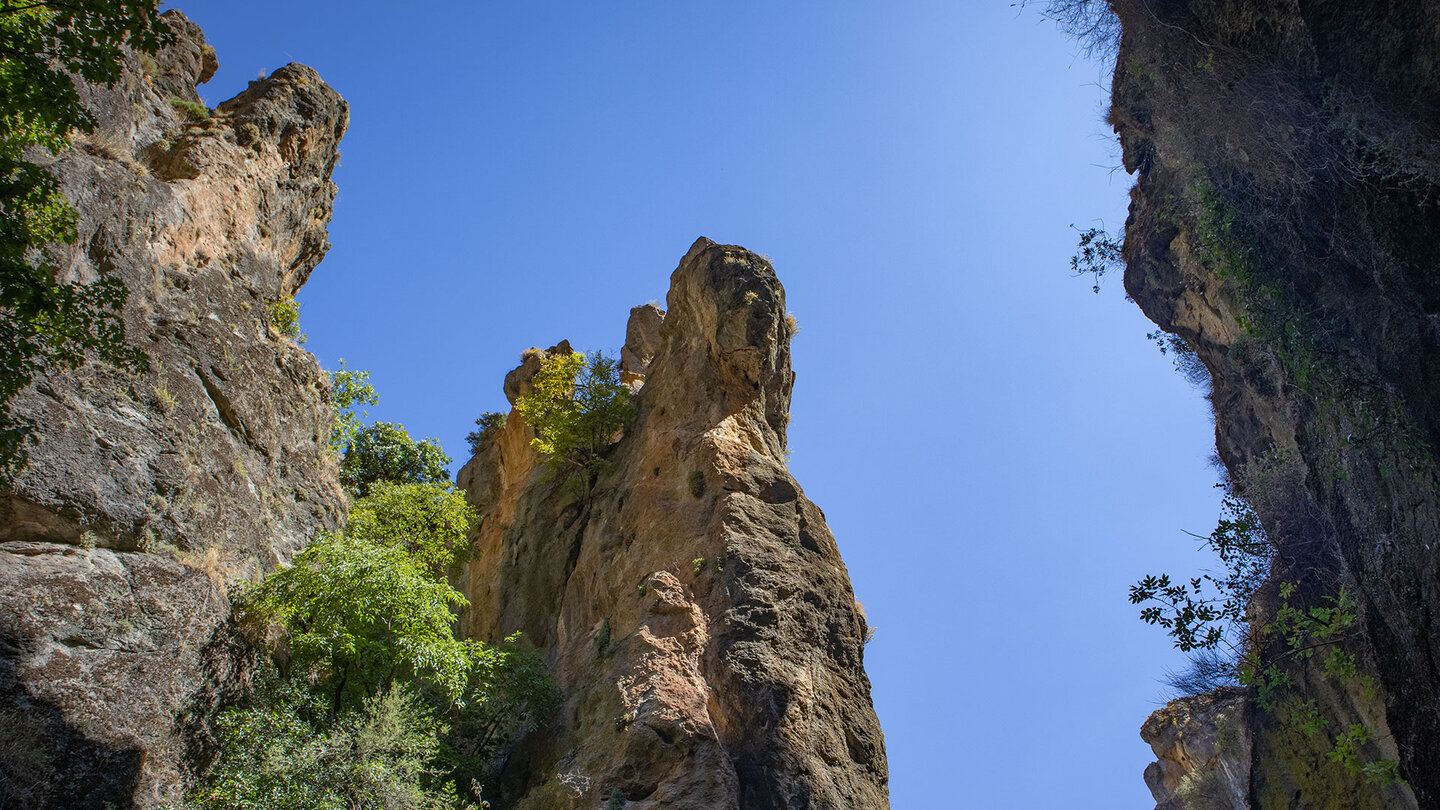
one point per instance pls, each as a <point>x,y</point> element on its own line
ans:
<point>692,601</point>
<point>147,493</point>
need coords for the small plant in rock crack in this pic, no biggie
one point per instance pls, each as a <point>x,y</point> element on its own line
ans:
<point>191,110</point>
<point>602,638</point>
<point>283,316</point>
<point>698,564</point>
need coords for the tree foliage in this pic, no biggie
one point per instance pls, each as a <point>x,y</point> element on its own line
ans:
<point>429,521</point>
<point>509,690</point>
<point>376,704</point>
<point>576,409</point>
<point>286,753</point>
<point>45,323</point>
<point>384,451</point>
<point>487,426</point>
<point>359,613</point>
<point>1097,254</point>
<point>347,390</point>
<point>1208,611</point>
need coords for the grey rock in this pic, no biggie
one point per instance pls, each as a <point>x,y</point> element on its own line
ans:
<point>147,495</point>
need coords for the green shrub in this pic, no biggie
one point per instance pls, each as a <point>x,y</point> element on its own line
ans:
<point>191,110</point>
<point>284,317</point>
<point>507,694</point>
<point>359,613</point>
<point>489,424</point>
<point>1097,254</point>
<point>576,409</point>
<point>1208,611</point>
<point>384,451</point>
<point>696,482</point>
<point>285,752</point>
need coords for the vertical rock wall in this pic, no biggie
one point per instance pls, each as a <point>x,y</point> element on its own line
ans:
<point>692,601</point>
<point>146,493</point>
<point>1284,225</point>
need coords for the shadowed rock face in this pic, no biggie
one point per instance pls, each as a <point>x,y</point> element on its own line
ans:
<point>1284,224</point>
<point>145,493</point>
<point>692,601</point>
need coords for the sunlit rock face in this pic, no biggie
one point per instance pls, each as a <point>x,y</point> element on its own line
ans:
<point>146,493</point>
<point>692,601</point>
<point>1284,224</point>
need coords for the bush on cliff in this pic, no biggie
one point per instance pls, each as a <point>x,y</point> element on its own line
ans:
<point>576,409</point>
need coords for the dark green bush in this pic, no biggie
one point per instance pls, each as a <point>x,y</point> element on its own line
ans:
<point>384,451</point>
<point>489,424</point>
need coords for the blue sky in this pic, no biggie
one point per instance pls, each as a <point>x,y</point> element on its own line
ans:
<point>999,452</point>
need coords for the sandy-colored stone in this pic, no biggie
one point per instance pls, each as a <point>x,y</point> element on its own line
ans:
<point>692,601</point>
<point>1202,748</point>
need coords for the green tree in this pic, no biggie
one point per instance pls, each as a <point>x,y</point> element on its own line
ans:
<point>576,409</point>
<point>359,614</point>
<point>44,45</point>
<point>384,451</point>
<point>431,522</point>
<point>1210,611</point>
<point>347,390</point>
<point>489,424</point>
<point>509,690</point>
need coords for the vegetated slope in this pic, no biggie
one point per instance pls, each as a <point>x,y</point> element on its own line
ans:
<point>1286,225</point>
<point>146,493</point>
<point>693,604</point>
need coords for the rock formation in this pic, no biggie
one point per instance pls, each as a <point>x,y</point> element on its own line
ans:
<point>1283,226</point>
<point>1203,745</point>
<point>146,493</point>
<point>691,600</point>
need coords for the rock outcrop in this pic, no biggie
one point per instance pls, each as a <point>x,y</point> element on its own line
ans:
<point>691,600</point>
<point>1284,226</point>
<point>146,493</point>
<point>1203,748</point>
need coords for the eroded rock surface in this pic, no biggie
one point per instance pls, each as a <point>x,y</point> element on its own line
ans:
<point>692,601</point>
<point>147,493</point>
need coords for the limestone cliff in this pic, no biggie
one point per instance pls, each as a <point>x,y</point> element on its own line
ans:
<point>146,493</point>
<point>1284,225</point>
<point>692,602</point>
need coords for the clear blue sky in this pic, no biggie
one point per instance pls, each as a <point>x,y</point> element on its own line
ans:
<point>1000,453</point>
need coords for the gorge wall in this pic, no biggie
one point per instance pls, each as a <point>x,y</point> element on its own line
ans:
<point>1284,225</point>
<point>698,616</point>
<point>146,494</point>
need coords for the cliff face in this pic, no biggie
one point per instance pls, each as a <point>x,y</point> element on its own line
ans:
<point>146,493</point>
<point>692,601</point>
<point>1284,225</point>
